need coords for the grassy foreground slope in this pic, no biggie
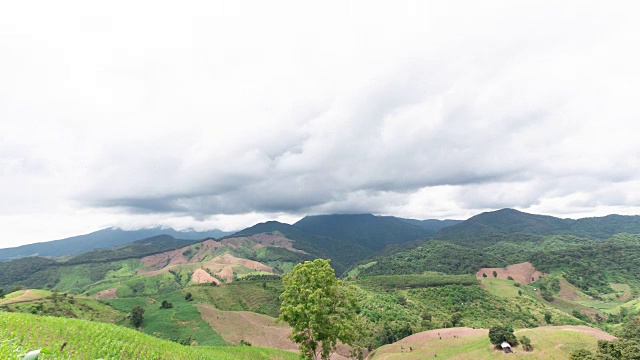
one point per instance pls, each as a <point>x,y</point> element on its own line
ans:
<point>20,333</point>
<point>549,342</point>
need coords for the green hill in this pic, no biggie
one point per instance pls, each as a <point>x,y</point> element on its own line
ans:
<point>502,225</point>
<point>343,254</point>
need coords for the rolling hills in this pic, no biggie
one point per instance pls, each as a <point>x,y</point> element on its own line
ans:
<point>408,279</point>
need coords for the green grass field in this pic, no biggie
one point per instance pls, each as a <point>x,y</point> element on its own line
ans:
<point>20,333</point>
<point>181,322</point>
<point>24,296</point>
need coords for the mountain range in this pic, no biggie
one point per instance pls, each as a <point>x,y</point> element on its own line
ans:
<point>105,238</point>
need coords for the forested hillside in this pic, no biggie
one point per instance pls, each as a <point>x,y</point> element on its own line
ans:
<point>369,231</point>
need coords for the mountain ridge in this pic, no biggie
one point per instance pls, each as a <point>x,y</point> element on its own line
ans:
<point>105,238</point>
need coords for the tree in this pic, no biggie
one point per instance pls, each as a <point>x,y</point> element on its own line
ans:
<point>455,319</point>
<point>484,275</point>
<point>498,334</point>
<point>136,316</point>
<point>547,318</point>
<point>495,274</point>
<point>320,309</point>
<point>166,305</point>
<point>188,297</point>
<point>1,293</point>
<point>581,354</point>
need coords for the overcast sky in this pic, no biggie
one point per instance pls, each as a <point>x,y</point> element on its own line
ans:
<point>223,114</point>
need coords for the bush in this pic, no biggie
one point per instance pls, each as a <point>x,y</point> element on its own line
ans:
<point>526,343</point>
<point>136,317</point>
<point>166,305</point>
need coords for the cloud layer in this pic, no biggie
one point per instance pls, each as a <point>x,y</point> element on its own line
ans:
<point>223,115</point>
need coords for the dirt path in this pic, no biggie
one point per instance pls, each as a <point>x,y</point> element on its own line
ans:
<point>24,297</point>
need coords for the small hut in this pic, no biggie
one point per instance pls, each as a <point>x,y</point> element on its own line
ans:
<point>506,347</point>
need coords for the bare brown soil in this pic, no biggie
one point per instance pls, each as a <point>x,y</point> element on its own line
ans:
<point>448,333</point>
<point>222,266</point>
<point>258,329</point>
<point>568,291</point>
<point>107,294</point>
<point>201,277</point>
<point>523,272</point>
<point>205,249</point>
<point>164,260</point>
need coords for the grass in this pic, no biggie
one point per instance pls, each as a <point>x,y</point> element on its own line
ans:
<point>180,323</point>
<point>249,295</point>
<point>82,308</point>
<point>548,344</point>
<point>20,333</point>
<point>25,296</point>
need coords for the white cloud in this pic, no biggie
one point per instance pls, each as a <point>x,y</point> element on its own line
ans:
<point>223,114</point>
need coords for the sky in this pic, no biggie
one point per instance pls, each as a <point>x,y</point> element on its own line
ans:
<point>212,114</point>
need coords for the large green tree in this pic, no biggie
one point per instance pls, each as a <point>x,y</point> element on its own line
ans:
<point>320,309</point>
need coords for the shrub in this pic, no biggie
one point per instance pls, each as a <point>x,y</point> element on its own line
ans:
<point>166,305</point>
<point>526,343</point>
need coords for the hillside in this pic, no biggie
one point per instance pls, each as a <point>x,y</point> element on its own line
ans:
<point>549,342</point>
<point>92,340</point>
<point>92,266</point>
<point>105,238</point>
<point>343,254</point>
<point>505,224</point>
<point>369,231</point>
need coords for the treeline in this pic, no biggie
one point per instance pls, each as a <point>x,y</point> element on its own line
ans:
<point>433,255</point>
<point>415,281</point>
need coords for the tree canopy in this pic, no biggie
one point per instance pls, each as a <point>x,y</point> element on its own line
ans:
<point>320,309</point>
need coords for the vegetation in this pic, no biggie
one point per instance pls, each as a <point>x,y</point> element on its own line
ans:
<point>137,316</point>
<point>415,281</point>
<point>179,323</point>
<point>343,254</point>
<point>369,231</point>
<point>499,334</point>
<point>320,310</point>
<point>80,339</point>
<point>526,343</point>
<point>432,255</point>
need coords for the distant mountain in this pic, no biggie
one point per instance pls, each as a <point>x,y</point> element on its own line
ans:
<point>370,231</point>
<point>504,224</point>
<point>343,254</point>
<point>101,239</point>
<point>432,225</point>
